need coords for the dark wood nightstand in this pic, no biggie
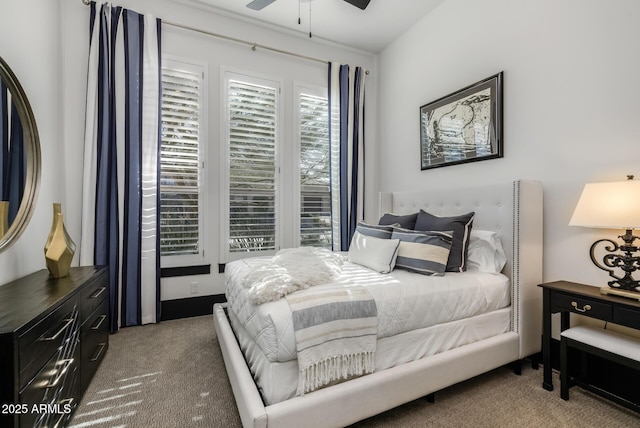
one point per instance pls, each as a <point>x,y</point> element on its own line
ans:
<point>566,297</point>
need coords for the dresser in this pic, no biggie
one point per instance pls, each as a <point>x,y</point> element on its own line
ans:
<point>53,335</point>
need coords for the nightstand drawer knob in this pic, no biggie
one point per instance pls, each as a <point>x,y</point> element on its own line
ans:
<point>585,308</point>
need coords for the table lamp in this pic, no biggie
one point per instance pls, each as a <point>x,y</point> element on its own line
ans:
<point>613,205</point>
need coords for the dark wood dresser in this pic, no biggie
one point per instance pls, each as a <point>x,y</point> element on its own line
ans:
<point>53,335</point>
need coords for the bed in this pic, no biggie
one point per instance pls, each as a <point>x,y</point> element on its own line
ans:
<point>513,327</point>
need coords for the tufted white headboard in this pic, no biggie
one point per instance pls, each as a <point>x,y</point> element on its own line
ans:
<point>514,211</point>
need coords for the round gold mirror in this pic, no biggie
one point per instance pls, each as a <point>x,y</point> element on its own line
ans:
<point>19,158</point>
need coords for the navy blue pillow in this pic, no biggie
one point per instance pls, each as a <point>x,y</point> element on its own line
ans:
<point>461,227</point>
<point>405,221</point>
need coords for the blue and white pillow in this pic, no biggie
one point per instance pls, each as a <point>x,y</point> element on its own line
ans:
<point>423,252</point>
<point>377,231</point>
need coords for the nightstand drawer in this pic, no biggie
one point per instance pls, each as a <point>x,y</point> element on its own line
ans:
<point>628,317</point>
<point>585,306</point>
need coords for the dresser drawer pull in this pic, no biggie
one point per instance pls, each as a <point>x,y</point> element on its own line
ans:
<point>60,373</point>
<point>98,353</point>
<point>99,322</point>
<point>585,308</point>
<point>98,293</point>
<point>63,415</point>
<point>68,401</point>
<point>66,325</point>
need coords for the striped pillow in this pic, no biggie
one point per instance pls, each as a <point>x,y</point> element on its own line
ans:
<point>423,252</point>
<point>461,228</point>
<point>382,232</point>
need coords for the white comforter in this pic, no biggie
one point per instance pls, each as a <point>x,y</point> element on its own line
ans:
<point>405,301</point>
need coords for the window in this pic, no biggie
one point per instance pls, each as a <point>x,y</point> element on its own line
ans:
<point>315,194</point>
<point>252,136</point>
<point>181,163</point>
<point>276,184</point>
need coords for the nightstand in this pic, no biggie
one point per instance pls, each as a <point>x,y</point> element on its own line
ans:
<point>566,297</point>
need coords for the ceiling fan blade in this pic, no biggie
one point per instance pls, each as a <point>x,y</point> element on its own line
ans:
<point>260,4</point>
<point>362,4</point>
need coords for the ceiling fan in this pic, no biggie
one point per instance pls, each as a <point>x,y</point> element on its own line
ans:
<point>261,4</point>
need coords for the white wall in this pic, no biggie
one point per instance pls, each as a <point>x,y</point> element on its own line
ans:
<point>30,44</point>
<point>571,91</point>
<point>570,106</point>
<point>216,53</point>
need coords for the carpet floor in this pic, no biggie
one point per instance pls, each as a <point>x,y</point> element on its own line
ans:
<point>172,375</point>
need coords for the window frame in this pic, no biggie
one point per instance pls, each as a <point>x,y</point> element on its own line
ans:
<point>226,75</point>
<point>300,88</point>
<point>201,258</point>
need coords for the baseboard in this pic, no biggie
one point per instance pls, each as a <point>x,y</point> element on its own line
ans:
<point>190,307</point>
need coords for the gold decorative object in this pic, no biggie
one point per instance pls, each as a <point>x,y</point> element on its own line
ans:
<point>59,248</point>
<point>4,217</point>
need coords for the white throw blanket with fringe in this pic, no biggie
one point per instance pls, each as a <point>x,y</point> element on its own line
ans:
<point>336,332</point>
<point>291,270</point>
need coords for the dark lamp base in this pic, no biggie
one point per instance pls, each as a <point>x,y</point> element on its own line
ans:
<point>626,261</point>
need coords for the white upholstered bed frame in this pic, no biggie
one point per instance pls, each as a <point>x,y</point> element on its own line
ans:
<point>514,210</point>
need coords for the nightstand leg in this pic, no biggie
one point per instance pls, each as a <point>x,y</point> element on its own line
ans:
<point>547,382</point>
<point>564,370</point>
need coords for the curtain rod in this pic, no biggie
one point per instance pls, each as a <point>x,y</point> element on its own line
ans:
<point>253,45</point>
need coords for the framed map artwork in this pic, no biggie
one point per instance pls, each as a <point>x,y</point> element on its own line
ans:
<point>464,126</point>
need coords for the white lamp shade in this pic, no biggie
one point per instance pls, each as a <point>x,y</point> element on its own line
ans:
<point>614,205</point>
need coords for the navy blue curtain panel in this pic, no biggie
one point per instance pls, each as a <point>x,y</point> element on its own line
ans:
<point>119,153</point>
<point>4,143</point>
<point>131,257</point>
<point>13,159</point>
<point>17,164</point>
<point>345,162</point>
<point>346,129</point>
<point>357,150</point>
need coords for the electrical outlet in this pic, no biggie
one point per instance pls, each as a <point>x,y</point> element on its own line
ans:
<point>194,288</point>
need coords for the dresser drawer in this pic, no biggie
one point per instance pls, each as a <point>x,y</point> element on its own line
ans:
<point>55,386</point>
<point>42,341</point>
<point>582,305</point>
<point>93,294</point>
<point>95,342</point>
<point>98,320</point>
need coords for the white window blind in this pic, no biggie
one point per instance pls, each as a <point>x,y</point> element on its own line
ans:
<point>180,160</point>
<point>252,177</point>
<point>315,195</point>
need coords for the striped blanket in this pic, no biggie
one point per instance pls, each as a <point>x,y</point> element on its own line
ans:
<point>335,332</point>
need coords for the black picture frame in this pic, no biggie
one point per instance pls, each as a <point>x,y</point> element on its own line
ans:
<point>465,126</point>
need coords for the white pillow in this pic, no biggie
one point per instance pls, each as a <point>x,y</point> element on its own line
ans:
<point>375,253</point>
<point>486,253</point>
